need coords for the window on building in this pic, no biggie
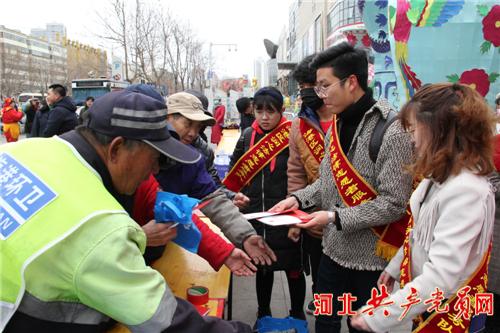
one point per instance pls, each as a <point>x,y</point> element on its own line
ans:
<point>305,45</point>
<point>14,37</point>
<point>317,34</point>
<point>343,13</point>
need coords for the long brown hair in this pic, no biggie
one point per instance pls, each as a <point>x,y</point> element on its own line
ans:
<point>460,125</point>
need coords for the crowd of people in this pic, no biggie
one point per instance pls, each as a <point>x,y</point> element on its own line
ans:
<point>406,197</point>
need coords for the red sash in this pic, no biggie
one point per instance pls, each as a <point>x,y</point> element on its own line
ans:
<point>257,157</point>
<point>354,190</point>
<point>450,319</point>
<point>313,139</point>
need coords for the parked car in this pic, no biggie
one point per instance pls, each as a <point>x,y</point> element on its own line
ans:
<point>25,97</point>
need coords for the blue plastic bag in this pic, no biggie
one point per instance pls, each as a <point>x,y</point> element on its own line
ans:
<point>270,324</point>
<point>170,207</point>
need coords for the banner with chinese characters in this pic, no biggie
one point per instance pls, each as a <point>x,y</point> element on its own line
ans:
<point>456,314</point>
<point>423,41</point>
<point>313,139</point>
<point>355,190</point>
<point>257,157</point>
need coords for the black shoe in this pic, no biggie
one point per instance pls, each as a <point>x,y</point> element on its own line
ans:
<point>260,314</point>
<point>310,308</point>
<point>264,312</point>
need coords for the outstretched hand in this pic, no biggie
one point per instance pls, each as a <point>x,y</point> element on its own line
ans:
<point>240,263</point>
<point>258,250</point>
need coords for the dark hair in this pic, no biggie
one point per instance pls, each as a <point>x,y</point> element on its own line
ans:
<point>268,98</point>
<point>90,98</point>
<point>303,73</point>
<point>345,60</point>
<point>59,89</point>
<point>243,103</point>
<point>460,129</point>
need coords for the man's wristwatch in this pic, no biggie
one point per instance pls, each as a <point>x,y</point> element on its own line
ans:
<point>331,217</point>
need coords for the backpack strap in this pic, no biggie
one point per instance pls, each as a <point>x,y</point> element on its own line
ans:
<point>378,135</point>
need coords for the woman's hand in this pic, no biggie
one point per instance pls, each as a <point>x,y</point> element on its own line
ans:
<point>288,203</point>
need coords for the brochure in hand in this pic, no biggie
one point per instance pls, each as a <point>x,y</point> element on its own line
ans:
<point>287,217</point>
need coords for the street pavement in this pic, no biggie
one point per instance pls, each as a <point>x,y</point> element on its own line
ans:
<point>245,301</point>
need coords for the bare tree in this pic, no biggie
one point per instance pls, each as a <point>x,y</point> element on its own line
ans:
<point>14,72</point>
<point>116,23</point>
<point>157,48</point>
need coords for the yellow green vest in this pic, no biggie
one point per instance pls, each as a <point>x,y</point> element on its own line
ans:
<point>47,192</point>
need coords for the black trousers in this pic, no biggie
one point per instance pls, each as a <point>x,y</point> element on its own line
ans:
<point>313,250</point>
<point>337,280</point>
<point>493,322</point>
<point>296,286</point>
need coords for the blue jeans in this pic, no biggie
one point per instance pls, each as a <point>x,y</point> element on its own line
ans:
<point>335,279</point>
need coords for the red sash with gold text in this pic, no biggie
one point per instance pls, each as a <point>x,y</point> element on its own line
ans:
<point>449,320</point>
<point>257,157</point>
<point>313,139</point>
<point>354,190</point>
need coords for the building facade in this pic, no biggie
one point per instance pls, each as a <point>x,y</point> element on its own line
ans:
<point>313,26</point>
<point>53,32</point>
<point>344,22</point>
<point>85,61</point>
<point>29,64</point>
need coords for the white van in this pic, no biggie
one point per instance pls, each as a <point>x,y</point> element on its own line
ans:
<point>25,97</point>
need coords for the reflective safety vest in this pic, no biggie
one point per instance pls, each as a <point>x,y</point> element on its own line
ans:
<point>42,183</point>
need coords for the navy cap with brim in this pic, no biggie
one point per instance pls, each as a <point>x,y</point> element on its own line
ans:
<point>175,150</point>
<point>137,116</point>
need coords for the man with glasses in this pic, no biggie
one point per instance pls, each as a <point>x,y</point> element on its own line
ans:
<point>360,199</point>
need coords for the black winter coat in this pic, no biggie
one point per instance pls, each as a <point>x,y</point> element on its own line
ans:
<point>62,118</point>
<point>264,191</point>
<point>40,122</point>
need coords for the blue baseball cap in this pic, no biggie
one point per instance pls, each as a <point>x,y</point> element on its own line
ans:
<point>137,116</point>
<point>147,90</point>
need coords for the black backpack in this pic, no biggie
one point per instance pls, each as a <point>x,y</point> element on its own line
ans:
<point>378,135</point>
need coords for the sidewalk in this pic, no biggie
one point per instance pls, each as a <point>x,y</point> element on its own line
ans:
<point>245,301</point>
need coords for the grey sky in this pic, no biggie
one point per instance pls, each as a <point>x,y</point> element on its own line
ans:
<point>244,22</point>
